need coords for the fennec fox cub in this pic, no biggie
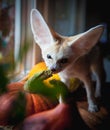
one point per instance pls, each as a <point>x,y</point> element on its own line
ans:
<point>75,56</point>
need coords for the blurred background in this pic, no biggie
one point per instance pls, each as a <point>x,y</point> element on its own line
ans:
<point>67,17</point>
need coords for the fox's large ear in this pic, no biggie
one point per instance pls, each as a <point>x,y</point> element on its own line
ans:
<point>40,30</point>
<point>84,42</point>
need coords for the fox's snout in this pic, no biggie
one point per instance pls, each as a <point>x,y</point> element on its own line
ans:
<point>55,68</point>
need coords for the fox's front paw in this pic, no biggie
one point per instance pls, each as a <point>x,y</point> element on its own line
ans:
<point>93,108</point>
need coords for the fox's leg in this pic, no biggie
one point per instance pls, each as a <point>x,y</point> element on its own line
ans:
<point>98,70</point>
<point>93,107</point>
<point>100,75</point>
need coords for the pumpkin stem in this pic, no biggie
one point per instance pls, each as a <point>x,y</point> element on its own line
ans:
<point>33,81</point>
<point>36,85</point>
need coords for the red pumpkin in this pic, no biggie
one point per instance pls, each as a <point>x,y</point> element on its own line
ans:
<point>63,117</point>
<point>17,101</point>
<point>15,86</point>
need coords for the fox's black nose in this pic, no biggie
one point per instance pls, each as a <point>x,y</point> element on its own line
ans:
<point>53,69</point>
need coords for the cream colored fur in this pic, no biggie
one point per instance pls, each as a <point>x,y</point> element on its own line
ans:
<point>76,56</point>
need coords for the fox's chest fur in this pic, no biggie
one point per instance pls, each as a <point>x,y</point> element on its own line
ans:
<point>83,66</point>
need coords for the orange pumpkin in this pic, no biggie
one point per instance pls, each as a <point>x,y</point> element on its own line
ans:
<point>17,101</point>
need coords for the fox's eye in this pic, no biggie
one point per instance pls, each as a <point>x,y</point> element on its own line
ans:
<point>64,60</point>
<point>49,56</point>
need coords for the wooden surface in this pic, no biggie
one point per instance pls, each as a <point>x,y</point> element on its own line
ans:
<point>99,120</point>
